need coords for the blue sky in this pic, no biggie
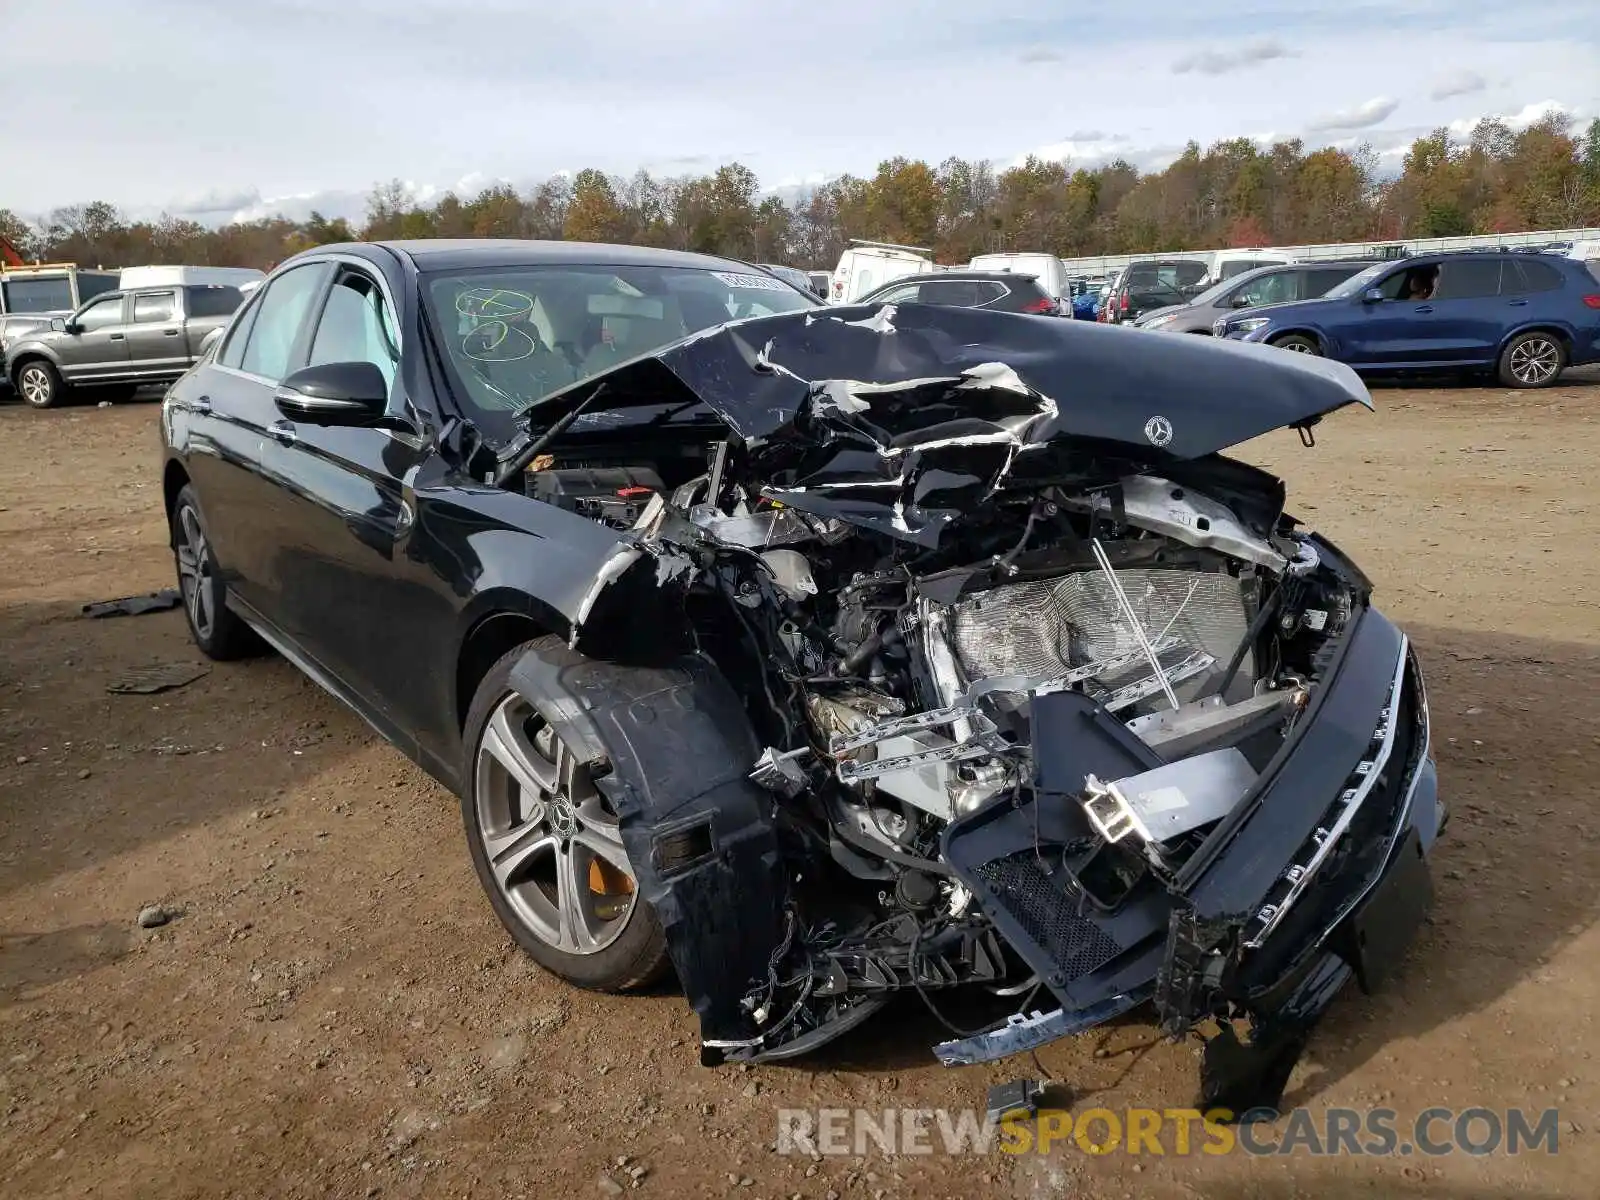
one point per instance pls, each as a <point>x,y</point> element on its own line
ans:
<point>220,110</point>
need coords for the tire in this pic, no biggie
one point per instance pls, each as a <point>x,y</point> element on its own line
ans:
<point>1298,343</point>
<point>219,632</point>
<point>40,384</point>
<point>532,855</point>
<point>1532,360</point>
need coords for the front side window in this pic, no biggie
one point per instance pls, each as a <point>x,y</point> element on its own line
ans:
<point>515,335</point>
<point>1277,288</point>
<point>356,326</point>
<point>152,307</point>
<point>102,314</point>
<point>278,320</point>
<point>899,295</point>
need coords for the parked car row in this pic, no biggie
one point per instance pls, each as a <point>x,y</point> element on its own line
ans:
<point>1527,317</point>
<point>149,330</point>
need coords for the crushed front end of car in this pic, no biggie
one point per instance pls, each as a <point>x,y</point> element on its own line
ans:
<point>937,649</point>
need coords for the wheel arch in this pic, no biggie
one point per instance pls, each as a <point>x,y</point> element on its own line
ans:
<point>1555,328</point>
<point>497,623</point>
<point>1304,331</point>
<point>174,478</point>
<point>27,354</point>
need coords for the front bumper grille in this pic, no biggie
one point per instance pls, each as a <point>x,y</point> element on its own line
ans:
<point>1020,885</point>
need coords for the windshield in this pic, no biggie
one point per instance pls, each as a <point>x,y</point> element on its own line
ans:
<point>1357,283</point>
<point>516,335</point>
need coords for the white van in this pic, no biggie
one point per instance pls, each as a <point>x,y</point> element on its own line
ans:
<point>149,277</point>
<point>867,265</point>
<point>1049,270</point>
<point>1225,264</point>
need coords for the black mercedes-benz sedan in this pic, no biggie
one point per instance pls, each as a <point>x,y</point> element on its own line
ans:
<point>825,654</point>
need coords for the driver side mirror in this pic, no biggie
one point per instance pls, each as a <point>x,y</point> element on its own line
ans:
<point>351,394</point>
<point>62,325</point>
<point>1372,296</point>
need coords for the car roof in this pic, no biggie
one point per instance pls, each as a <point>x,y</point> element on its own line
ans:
<point>455,254</point>
<point>935,276</point>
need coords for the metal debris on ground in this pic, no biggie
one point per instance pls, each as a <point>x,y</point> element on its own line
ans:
<point>133,606</point>
<point>1019,1095</point>
<point>160,677</point>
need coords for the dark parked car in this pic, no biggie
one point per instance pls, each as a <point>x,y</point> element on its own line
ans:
<point>1152,283</point>
<point>117,342</point>
<point>793,276</point>
<point>818,651</point>
<point>1264,285</point>
<point>998,291</point>
<point>1525,316</point>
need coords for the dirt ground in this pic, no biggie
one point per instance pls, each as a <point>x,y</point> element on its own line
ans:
<point>337,1013</point>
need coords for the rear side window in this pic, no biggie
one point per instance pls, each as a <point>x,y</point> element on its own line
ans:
<point>1468,279</point>
<point>1531,275</point>
<point>39,295</point>
<point>269,350</point>
<point>1320,280</point>
<point>961,293</point>
<point>213,301</point>
<point>154,307</point>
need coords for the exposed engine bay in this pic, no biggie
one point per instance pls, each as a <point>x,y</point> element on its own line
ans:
<point>1012,698</point>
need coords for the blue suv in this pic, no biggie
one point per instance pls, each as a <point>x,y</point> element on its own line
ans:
<point>1527,316</point>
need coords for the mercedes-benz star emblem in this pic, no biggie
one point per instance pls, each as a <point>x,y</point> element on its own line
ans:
<point>1158,430</point>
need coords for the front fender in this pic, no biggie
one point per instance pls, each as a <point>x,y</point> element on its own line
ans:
<point>25,349</point>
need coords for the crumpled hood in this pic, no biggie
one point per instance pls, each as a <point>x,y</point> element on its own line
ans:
<point>902,418</point>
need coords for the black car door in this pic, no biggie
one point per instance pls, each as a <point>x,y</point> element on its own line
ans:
<point>229,405</point>
<point>343,513</point>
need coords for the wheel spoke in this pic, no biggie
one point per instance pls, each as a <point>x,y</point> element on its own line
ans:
<point>574,900</point>
<point>602,840</point>
<point>509,852</point>
<point>508,743</point>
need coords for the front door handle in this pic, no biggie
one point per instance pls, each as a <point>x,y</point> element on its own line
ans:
<point>1518,303</point>
<point>116,337</point>
<point>1424,308</point>
<point>202,405</point>
<point>171,332</point>
<point>283,433</point>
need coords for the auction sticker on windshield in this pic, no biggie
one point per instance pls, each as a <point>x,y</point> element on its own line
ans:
<point>764,282</point>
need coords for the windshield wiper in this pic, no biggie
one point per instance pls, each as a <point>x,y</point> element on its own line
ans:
<point>519,461</point>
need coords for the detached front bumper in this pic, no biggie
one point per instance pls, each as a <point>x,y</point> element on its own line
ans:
<point>1318,874</point>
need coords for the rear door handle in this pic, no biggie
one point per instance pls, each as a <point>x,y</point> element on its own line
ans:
<point>171,332</point>
<point>1424,308</point>
<point>116,337</point>
<point>1518,303</point>
<point>283,433</point>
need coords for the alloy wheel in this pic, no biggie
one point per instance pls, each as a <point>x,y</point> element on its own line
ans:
<point>36,386</point>
<point>1535,360</point>
<point>196,573</point>
<point>1298,348</point>
<point>550,839</point>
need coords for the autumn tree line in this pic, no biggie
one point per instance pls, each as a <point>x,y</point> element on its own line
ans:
<point>1235,193</point>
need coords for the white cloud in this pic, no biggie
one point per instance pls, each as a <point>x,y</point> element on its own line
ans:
<point>1363,116</point>
<point>1220,62</point>
<point>280,115</point>
<point>1458,83</point>
<point>1527,115</point>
